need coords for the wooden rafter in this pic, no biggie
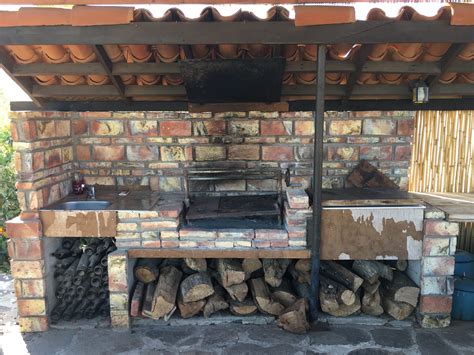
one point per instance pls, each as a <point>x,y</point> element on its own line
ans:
<point>445,63</point>
<point>107,65</point>
<point>363,32</point>
<point>332,66</point>
<point>360,59</point>
<point>26,84</point>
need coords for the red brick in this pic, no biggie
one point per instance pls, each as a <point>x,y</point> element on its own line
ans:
<point>63,128</point>
<point>142,153</point>
<point>197,233</point>
<point>14,131</point>
<point>277,153</point>
<point>279,243</point>
<point>209,128</point>
<point>31,307</point>
<point>151,243</point>
<point>171,210</point>
<point>27,131</point>
<point>142,127</point>
<point>436,246</point>
<point>272,128</point>
<point>32,288</point>
<point>23,228</point>
<point>27,249</point>
<point>170,243</point>
<point>27,269</point>
<point>369,152</point>
<point>151,226</point>
<point>52,158</point>
<point>271,234</point>
<point>403,152</point>
<point>33,324</point>
<point>405,127</point>
<point>45,129</point>
<point>79,126</point>
<point>106,128</point>
<point>83,152</point>
<point>260,244</point>
<point>342,153</point>
<point>235,233</point>
<point>244,152</point>
<point>441,228</point>
<point>107,153</point>
<point>438,265</point>
<point>297,198</point>
<point>436,304</point>
<point>304,128</point>
<point>297,234</point>
<point>175,128</point>
<point>206,244</point>
<point>38,161</point>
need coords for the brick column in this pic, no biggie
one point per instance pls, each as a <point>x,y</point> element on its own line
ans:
<point>25,248</point>
<point>437,270</point>
<point>118,268</point>
<point>44,164</point>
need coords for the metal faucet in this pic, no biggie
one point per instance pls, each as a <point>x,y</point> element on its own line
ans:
<point>90,191</point>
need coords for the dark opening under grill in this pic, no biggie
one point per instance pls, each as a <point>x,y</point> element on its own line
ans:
<point>233,209</point>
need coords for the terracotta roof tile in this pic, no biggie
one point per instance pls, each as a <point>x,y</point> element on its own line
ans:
<point>323,15</point>
<point>457,14</point>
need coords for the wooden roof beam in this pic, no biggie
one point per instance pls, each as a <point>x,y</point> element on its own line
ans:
<point>360,58</point>
<point>107,65</point>
<point>265,32</point>
<point>445,63</point>
<point>431,68</point>
<point>378,90</point>
<point>302,105</point>
<point>26,84</point>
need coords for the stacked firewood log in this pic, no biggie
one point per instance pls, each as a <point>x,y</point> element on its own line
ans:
<point>276,287</point>
<point>82,278</point>
<point>372,287</point>
<point>242,286</point>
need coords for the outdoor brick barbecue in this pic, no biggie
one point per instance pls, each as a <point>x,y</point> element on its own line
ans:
<point>143,221</point>
<point>184,169</point>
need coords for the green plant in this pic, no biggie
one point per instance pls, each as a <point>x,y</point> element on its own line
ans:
<point>8,201</point>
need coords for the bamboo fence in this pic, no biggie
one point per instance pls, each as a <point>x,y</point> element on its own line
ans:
<point>443,158</point>
<point>443,152</point>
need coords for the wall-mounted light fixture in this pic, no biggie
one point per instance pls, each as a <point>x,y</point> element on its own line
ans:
<point>420,93</point>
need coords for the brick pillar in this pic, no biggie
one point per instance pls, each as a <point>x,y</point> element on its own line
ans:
<point>118,268</point>
<point>437,270</point>
<point>25,248</point>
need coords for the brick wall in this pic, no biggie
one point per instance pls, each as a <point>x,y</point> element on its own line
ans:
<point>43,158</point>
<point>152,148</point>
<point>141,148</point>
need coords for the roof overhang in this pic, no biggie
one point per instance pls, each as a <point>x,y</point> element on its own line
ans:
<point>349,94</point>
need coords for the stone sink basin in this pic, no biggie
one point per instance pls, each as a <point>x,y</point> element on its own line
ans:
<point>89,205</point>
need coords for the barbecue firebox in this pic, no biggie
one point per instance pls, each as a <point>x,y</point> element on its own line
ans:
<point>221,206</point>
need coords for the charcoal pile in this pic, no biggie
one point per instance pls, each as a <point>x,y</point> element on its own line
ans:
<point>82,278</point>
<point>276,287</point>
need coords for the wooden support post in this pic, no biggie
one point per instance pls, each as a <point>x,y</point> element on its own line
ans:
<point>317,181</point>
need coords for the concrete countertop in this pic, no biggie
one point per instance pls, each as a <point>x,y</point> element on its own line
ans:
<point>136,200</point>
